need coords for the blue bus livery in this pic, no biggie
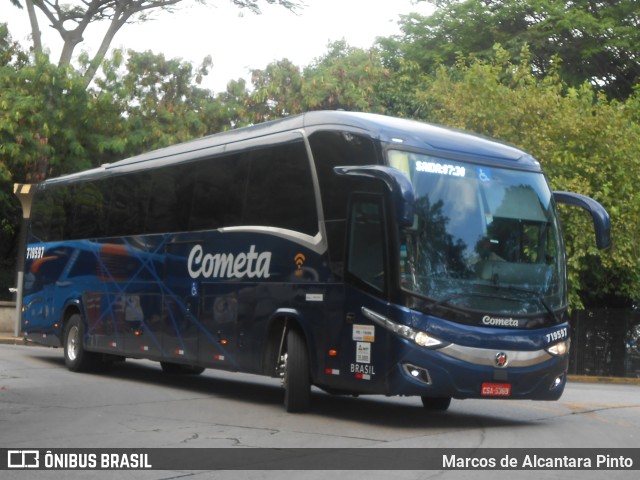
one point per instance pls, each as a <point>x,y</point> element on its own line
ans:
<point>357,253</point>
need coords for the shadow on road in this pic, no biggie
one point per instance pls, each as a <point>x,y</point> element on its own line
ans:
<point>256,391</point>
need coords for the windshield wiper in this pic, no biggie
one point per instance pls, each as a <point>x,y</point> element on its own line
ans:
<point>535,295</point>
<point>445,301</point>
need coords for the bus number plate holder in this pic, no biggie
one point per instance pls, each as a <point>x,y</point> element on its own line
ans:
<point>496,389</point>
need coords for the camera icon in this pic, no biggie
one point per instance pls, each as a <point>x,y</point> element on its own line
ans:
<point>23,459</point>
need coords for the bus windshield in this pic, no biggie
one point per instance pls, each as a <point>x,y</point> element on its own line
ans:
<point>484,238</point>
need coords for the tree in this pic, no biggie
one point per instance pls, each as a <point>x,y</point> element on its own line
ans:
<point>344,78</point>
<point>598,42</point>
<point>277,92</point>
<point>71,20</point>
<point>157,100</point>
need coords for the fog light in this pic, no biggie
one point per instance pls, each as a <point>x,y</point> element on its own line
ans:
<point>557,382</point>
<point>420,374</point>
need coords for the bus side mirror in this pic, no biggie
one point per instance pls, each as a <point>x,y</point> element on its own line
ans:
<point>399,186</point>
<point>601,220</point>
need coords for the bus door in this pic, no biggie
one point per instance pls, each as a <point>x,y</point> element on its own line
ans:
<point>366,278</point>
<point>138,303</point>
<point>181,325</point>
<point>220,342</point>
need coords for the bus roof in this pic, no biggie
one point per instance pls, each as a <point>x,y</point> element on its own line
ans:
<point>396,131</point>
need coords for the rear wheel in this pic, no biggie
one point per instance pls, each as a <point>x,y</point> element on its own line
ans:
<point>76,358</point>
<point>436,404</point>
<point>297,384</point>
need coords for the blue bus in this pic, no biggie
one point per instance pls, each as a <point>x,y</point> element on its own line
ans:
<point>357,253</point>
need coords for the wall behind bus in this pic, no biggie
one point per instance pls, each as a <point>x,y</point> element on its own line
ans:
<point>7,317</point>
<point>605,342</point>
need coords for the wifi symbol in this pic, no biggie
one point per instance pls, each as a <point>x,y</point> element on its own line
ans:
<point>299,259</point>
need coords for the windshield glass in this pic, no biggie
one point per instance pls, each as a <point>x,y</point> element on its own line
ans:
<point>483,238</point>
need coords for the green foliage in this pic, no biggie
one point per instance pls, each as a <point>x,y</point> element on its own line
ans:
<point>157,102</point>
<point>345,78</point>
<point>598,41</point>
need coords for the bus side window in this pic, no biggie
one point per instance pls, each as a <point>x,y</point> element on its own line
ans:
<point>366,244</point>
<point>337,148</point>
<point>164,210</point>
<point>218,186</point>
<point>280,190</point>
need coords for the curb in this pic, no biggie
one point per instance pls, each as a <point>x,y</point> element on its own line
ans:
<point>604,380</point>
<point>9,339</point>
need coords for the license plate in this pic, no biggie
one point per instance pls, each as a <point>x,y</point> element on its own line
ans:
<point>496,389</point>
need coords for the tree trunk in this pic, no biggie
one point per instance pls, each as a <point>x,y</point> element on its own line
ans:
<point>35,28</point>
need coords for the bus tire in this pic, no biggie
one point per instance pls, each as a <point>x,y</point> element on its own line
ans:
<point>436,404</point>
<point>76,358</point>
<point>297,384</point>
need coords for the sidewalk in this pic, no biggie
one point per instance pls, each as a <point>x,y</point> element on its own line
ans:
<point>8,338</point>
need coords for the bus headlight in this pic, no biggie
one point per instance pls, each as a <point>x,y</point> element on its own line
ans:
<point>425,340</point>
<point>421,338</point>
<point>560,348</point>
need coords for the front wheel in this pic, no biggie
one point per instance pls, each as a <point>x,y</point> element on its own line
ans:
<point>436,404</point>
<point>76,358</point>
<point>297,384</point>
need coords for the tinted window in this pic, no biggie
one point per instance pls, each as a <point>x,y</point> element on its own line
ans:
<point>367,243</point>
<point>169,200</point>
<point>269,186</point>
<point>86,211</point>
<point>128,205</point>
<point>218,186</point>
<point>49,215</point>
<point>332,149</point>
<point>40,215</point>
<point>280,189</point>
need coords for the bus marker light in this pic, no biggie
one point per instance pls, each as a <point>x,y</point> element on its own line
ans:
<point>333,353</point>
<point>113,345</point>
<point>332,371</point>
<point>218,357</point>
<point>224,341</point>
<point>179,351</point>
<point>144,348</point>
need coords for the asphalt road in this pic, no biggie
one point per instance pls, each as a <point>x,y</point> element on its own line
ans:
<point>136,405</point>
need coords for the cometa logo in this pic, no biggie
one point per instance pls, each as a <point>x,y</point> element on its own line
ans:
<point>500,322</point>
<point>227,265</point>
